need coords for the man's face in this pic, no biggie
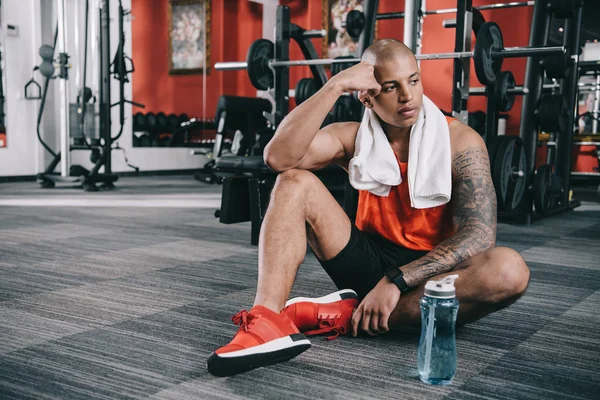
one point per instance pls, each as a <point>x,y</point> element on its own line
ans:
<point>399,102</point>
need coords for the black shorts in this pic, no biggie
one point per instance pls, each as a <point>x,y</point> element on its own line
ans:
<point>361,264</point>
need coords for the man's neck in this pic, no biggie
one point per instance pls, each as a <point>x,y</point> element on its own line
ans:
<point>398,138</point>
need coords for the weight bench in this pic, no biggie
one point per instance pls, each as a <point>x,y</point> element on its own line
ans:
<point>247,184</point>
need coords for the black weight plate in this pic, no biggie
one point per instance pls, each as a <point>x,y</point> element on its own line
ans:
<point>144,141</point>
<point>261,51</point>
<point>556,65</point>
<point>553,113</point>
<point>507,161</point>
<point>161,121</point>
<point>547,190</point>
<point>336,68</point>
<point>183,118</point>
<point>173,121</point>
<point>300,90</point>
<point>139,121</point>
<point>505,100</point>
<point>355,23</point>
<point>151,120</point>
<point>489,39</point>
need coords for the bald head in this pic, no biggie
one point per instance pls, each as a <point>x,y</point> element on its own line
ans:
<point>384,50</point>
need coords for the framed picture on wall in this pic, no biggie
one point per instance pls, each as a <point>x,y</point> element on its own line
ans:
<point>189,36</point>
<point>338,42</point>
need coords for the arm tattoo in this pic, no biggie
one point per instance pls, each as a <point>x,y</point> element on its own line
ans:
<point>473,216</point>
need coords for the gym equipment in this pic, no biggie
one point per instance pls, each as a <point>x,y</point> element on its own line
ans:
<point>504,98</point>
<point>81,118</point>
<point>339,67</point>
<point>173,122</point>
<point>548,190</point>
<point>556,65</point>
<point>507,161</point>
<point>553,113</point>
<point>488,56</point>
<point>305,88</point>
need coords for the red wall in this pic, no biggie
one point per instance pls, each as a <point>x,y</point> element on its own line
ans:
<point>235,24</point>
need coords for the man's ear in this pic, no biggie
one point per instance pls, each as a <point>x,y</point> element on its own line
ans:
<point>365,98</point>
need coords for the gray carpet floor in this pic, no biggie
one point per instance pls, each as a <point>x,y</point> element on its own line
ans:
<point>124,294</point>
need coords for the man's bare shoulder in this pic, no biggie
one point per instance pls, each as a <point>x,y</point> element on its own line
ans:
<point>463,137</point>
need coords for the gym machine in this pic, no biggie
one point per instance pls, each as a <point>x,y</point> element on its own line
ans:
<point>77,121</point>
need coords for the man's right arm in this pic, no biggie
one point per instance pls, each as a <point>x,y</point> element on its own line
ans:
<point>300,143</point>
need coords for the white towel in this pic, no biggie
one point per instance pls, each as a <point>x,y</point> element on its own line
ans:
<point>374,166</point>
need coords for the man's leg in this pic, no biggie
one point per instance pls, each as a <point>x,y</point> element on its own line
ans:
<point>487,282</point>
<point>301,209</point>
<point>299,203</point>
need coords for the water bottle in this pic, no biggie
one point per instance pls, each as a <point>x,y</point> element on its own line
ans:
<point>436,358</point>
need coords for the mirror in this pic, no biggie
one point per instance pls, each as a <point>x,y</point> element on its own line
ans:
<point>170,66</point>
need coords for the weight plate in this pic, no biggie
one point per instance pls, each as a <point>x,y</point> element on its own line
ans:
<point>183,118</point>
<point>508,171</point>
<point>505,100</point>
<point>161,121</point>
<point>139,121</point>
<point>310,88</point>
<point>547,190</point>
<point>151,120</point>
<point>299,92</point>
<point>261,51</point>
<point>489,39</point>
<point>173,121</point>
<point>355,23</point>
<point>556,65</point>
<point>553,113</point>
<point>336,68</point>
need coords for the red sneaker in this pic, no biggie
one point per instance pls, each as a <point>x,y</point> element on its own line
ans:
<point>331,313</point>
<point>264,338</point>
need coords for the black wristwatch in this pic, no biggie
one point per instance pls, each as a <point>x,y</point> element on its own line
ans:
<point>397,276</point>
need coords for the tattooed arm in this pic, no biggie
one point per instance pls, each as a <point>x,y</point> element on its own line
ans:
<point>473,212</point>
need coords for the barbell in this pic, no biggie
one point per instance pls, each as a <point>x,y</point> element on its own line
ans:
<point>488,55</point>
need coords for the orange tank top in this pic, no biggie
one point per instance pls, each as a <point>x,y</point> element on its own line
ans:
<point>393,217</point>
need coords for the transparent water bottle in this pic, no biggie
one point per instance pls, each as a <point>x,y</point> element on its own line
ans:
<point>436,357</point>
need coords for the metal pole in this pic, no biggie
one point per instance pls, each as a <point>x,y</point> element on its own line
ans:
<point>462,67</point>
<point>65,137</point>
<point>396,15</point>
<point>508,52</point>
<point>368,33</point>
<point>282,75</point>
<point>105,108</point>
<point>410,23</point>
<point>568,91</point>
<point>595,112</point>
<point>533,81</point>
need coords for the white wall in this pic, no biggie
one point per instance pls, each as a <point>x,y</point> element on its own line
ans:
<point>24,155</point>
<point>21,156</point>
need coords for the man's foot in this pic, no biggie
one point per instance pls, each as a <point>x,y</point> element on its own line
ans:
<point>327,314</point>
<point>264,338</point>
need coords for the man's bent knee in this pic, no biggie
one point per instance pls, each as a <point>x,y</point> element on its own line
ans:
<point>511,274</point>
<point>296,179</point>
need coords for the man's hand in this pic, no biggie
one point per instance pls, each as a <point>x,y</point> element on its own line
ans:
<point>359,78</point>
<point>374,311</point>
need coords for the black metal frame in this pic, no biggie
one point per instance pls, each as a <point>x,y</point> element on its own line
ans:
<point>462,67</point>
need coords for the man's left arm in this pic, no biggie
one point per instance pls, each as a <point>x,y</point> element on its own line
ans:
<point>473,214</point>
<point>474,219</point>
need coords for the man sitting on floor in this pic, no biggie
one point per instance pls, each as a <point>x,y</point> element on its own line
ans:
<point>407,160</point>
